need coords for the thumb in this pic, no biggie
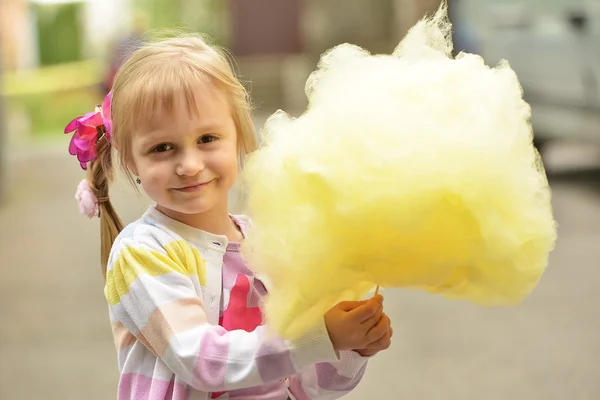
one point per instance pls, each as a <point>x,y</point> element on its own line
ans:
<point>350,305</point>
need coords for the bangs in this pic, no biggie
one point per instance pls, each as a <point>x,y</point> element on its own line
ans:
<point>163,79</point>
<point>162,90</point>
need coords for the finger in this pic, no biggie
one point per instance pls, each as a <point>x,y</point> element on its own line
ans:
<point>367,353</point>
<point>376,345</point>
<point>379,330</point>
<point>365,311</point>
<point>373,320</point>
<point>378,298</point>
<point>380,344</point>
<point>391,331</point>
<point>350,305</point>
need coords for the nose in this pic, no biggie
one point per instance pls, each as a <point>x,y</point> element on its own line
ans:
<point>190,163</point>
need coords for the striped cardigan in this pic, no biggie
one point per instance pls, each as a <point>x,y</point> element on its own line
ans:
<point>164,290</point>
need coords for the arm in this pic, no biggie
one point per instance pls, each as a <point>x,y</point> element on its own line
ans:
<point>328,381</point>
<point>331,380</point>
<point>150,292</point>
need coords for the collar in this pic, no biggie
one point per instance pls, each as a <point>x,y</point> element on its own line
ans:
<point>200,238</point>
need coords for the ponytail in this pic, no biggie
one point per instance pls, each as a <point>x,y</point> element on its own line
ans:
<point>91,144</point>
<point>100,174</point>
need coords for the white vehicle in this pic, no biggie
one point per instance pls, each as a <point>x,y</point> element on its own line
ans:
<point>554,47</point>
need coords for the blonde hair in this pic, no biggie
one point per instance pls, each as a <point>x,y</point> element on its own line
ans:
<point>152,79</point>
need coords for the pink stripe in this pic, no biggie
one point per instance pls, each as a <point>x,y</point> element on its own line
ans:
<point>297,391</point>
<point>140,387</point>
<point>328,378</point>
<point>274,362</point>
<point>211,367</point>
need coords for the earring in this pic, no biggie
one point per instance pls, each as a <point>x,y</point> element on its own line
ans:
<point>138,180</point>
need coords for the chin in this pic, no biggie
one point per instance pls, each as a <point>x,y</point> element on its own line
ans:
<point>189,210</point>
<point>196,206</point>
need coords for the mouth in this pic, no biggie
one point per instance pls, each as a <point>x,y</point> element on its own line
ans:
<point>193,188</point>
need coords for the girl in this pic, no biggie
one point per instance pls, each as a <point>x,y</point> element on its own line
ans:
<point>183,305</point>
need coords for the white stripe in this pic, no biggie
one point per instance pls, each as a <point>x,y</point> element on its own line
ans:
<point>119,314</point>
<point>147,293</point>
<point>312,348</point>
<point>142,361</point>
<point>183,351</point>
<point>243,346</point>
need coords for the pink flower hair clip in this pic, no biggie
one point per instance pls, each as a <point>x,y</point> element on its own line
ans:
<point>89,129</point>
<point>87,200</point>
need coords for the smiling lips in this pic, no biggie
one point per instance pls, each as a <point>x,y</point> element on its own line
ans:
<point>192,188</point>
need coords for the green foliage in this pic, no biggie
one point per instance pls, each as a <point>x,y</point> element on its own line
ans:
<point>49,113</point>
<point>59,32</point>
<point>199,16</point>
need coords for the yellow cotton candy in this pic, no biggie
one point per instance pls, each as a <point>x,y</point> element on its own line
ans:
<point>411,170</point>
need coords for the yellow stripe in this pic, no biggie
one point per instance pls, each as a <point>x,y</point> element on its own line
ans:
<point>132,262</point>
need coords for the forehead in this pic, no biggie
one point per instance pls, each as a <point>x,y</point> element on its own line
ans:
<point>202,103</point>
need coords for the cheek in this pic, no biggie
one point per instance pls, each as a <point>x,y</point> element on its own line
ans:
<point>151,171</point>
<point>157,173</point>
<point>226,161</point>
<point>233,172</point>
<point>232,167</point>
<point>233,163</point>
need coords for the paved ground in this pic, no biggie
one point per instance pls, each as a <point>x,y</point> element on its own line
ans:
<point>56,344</point>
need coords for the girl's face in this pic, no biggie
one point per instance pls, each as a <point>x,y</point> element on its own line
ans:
<point>187,162</point>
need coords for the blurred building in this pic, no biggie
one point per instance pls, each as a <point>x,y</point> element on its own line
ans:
<point>45,32</point>
<point>278,43</point>
<point>13,24</point>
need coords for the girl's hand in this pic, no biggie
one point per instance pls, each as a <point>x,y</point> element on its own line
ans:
<point>382,343</point>
<point>356,324</point>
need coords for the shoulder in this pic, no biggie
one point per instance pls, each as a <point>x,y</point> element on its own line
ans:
<point>149,242</point>
<point>146,251</point>
<point>144,233</point>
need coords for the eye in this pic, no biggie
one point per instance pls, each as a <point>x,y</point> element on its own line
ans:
<point>206,139</point>
<point>161,148</point>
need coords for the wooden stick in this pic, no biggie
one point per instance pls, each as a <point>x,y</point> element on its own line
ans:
<point>376,291</point>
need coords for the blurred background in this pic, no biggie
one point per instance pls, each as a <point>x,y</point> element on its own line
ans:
<point>57,60</point>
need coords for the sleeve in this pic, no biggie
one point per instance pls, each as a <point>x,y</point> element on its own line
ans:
<point>329,380</point>
<point>150,291</point>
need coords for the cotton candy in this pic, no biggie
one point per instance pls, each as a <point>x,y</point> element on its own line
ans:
<point>413,170</point>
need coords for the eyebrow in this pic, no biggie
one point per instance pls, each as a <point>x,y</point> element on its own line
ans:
<point>210,125</point>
